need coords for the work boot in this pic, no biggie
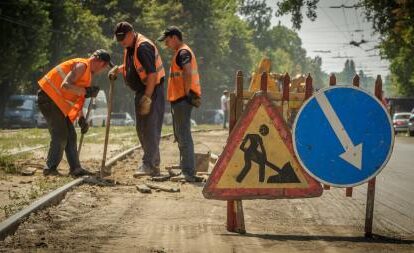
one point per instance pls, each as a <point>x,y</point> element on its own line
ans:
<point>51,172</point>
<point>143,170</point>
<point>155,172</point>
<point>187,178</point>
<point>79,172</point>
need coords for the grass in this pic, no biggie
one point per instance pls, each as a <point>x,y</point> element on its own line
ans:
<point>10,164</point>
<point>22,138</point>
<point>41,186</point>
<point>11,141</point>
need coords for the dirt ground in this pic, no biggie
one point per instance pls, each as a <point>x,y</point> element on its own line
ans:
<point>120,219</point>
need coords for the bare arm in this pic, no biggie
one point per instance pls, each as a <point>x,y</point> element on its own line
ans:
<point>150,84</point>
<point>187,77</point>
<point>68,83</point>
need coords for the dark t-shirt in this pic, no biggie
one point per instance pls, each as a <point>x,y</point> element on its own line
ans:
<point>146,56</point>
<point>183,57</point>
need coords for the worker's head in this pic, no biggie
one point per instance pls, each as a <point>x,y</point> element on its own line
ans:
<point>226,92</point>
<point>124,34</point>
<point>264,130</point>
<point>173,37</point>
<point>99,60</point>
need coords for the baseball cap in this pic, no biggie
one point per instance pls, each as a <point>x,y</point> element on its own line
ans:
<point>170,31</point>
<point>121,29</point>
<point>103,55</point>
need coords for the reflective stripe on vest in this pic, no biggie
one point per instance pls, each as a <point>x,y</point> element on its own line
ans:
<point>57,90</point>
<point>69,103</point>
<point>176,85</point>
<point>138,66</point>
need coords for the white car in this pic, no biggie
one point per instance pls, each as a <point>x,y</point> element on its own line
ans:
<point>122,119</point>
<point>99,110</point>
<point>400,121</point>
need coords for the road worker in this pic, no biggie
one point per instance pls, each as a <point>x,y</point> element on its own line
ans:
<point>183,93</point>
<point>61,97</point>
<point>144,73</point>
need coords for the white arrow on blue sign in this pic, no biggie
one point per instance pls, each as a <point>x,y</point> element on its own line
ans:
<point>343,136</point>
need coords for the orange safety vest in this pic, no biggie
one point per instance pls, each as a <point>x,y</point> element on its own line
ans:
<point>176,79</point>
<point>69,103</point>
<point>138,66</point>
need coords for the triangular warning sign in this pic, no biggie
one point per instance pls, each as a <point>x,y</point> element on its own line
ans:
<point>258,160</point>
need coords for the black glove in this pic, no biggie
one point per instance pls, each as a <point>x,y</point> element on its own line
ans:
<point>91,91</point>
<point>193,99</point>
<point>83,125</point>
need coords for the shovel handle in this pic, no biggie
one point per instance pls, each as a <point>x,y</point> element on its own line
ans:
<point>107,125</point>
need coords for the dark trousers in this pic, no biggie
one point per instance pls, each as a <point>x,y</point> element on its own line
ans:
<point>149,126</point>
<point>62,133</point>
<point>181,113</point>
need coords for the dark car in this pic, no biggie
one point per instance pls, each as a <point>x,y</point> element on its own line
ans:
<point>22,112</point>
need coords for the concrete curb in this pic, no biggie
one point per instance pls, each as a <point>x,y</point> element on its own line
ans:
<point>10,225</point>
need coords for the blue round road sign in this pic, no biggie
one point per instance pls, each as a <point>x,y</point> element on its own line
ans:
<point>343,136</point>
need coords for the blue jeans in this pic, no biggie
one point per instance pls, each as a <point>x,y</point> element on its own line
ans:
<point>181,113</point>
<point>149,126</point>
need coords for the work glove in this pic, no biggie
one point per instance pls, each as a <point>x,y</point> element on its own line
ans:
<point>144,105</point>
<point>193,99</point>
<point>91,91</point>
<point>113,73</point>
<point>83,125</point>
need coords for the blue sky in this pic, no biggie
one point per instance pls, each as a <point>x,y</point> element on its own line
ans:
<point>332,31</point>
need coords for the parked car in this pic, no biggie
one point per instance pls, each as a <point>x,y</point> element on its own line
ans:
<point>168,120</point>
<point>214,116</point>
<point>411,125</point>
<point>97,116</point>
<point>21,112</point>
<point>121,119</point>
<point>400,121</point>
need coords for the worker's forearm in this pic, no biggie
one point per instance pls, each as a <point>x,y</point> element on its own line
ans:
<point>73,89</point>
<point>187,84</point>
<point>150,85</point>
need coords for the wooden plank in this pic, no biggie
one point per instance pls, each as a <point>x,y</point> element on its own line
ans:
<point>263,82</point>
<point>142,188</point>
<point>163,187</point>
<point>277,96</point>
<point>233,218</point>
<point>239,94</point>
<point>308,87</point>
<point>285,97</point>
<point>369,213</point>
<point>355,82</point>
<point>332,82</point>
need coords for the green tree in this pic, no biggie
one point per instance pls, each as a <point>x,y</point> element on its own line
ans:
<point>26,31</point>
<point>392,19</point>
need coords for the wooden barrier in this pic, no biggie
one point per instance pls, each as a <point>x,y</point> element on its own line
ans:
<point>288,101</point>
<point>288,98</point>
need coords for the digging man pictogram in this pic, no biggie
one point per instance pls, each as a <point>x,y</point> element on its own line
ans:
<point>253,154</point>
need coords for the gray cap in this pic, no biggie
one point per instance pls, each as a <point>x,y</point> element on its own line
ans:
<point>103,55</point>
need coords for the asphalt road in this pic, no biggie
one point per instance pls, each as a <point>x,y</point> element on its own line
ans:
<point>394,199</point>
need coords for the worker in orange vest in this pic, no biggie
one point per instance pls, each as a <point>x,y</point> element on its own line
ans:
<point>61,97</point>
<point>183,93</point>
<point>143,73</point>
